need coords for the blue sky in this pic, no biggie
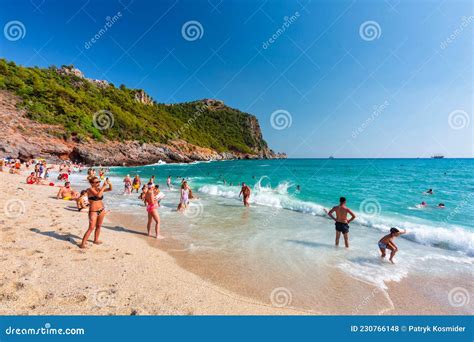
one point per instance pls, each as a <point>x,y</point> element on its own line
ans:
<point>397,89</point>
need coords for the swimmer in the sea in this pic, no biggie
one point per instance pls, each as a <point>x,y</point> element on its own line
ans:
<point>387,243</point>
<point>430,192</point>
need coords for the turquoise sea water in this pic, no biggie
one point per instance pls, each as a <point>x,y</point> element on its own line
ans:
<point>382,191</point>
<point>285,233</point>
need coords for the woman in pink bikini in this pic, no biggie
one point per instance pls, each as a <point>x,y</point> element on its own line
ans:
<point>152,209</point>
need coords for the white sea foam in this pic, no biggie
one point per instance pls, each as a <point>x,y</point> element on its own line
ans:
<point>446,236</point>
<point>375,271</point>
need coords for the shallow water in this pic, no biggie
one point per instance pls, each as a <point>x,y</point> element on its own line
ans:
<point>285,239</point>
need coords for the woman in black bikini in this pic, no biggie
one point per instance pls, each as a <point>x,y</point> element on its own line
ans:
<point>95,195</point>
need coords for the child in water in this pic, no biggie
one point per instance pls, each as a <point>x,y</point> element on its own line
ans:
<point>387,243</point>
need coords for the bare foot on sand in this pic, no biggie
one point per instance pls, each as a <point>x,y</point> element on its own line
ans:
<point>97,242</point>
<point>159,237</point>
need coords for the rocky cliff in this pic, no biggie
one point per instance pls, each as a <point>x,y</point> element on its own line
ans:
<point>60,113</point>
<point>23,138</point>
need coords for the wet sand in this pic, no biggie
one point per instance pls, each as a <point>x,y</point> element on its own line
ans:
<point>326,290</point>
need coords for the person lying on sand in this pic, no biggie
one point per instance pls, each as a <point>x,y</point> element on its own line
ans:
<point>82,201</point>
<point>387,243</point>
<point>67,193</point>
<point>15,171</point>
<point>342,223</point>
<point>95,195</point>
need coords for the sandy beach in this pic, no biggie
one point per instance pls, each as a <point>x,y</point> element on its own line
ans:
<point>44,272</point>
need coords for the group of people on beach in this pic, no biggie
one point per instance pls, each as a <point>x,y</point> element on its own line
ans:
<point>92,199</point>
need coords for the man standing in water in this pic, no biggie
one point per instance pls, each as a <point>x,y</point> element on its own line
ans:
<point>342,223</point>
<point>246,192</point>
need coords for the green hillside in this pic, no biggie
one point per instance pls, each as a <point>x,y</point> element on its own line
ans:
<point>50,96</point>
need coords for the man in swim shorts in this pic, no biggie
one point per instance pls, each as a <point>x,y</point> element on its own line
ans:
<point>342,223</point>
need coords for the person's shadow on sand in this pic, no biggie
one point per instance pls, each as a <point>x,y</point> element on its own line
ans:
<point>311,244</point>
<point>62,237</point>
<point>72,209</point>
<point>124,230</point>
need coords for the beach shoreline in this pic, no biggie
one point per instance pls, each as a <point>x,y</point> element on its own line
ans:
<point>45,272</point>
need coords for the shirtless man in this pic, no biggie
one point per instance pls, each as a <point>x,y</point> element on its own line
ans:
<point>67,193</point>
<point>246,192</point>
<point>342,223</point>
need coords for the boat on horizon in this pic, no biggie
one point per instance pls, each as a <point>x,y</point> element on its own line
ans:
<point>438,156</point>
